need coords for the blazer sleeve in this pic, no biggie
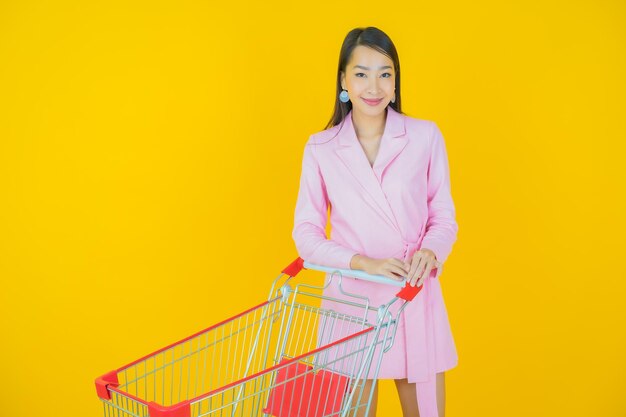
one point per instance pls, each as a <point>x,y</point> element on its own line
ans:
<point>309,230</point>
<point>441,227</point>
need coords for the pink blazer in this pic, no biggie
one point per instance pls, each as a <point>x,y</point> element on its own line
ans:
<point>399,205</point>
<point>384,211</point>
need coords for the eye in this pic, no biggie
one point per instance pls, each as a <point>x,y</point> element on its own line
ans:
<point>358,74</point>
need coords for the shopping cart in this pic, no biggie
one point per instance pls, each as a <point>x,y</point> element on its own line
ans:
<point>286,357</point>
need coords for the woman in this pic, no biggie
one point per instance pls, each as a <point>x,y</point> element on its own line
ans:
<point>385,177</point>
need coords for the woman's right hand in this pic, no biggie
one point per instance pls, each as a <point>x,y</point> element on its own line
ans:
<point>389,267</point>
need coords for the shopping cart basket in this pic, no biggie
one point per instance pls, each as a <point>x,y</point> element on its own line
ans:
<point>285,357</point>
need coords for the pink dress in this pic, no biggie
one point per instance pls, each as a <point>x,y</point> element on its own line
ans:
<point>399,205</point>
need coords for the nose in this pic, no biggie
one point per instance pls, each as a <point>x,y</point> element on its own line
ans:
<point>373,86</point>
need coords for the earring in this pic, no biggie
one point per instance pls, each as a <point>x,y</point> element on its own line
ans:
<point>393,100</point>
<point>343,96</point>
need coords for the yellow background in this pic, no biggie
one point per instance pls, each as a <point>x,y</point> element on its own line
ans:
<point>149,162</point>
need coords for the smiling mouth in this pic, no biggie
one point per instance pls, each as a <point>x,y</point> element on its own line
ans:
<point>372,101</point>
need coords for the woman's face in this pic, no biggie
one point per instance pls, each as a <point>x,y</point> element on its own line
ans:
<point>369,75</point>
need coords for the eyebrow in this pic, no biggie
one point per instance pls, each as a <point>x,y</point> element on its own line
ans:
<point>367,68</point>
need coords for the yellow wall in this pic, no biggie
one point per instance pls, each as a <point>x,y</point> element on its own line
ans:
<point>149,163</point>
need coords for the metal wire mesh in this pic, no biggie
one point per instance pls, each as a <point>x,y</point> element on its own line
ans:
<point>282,358</point>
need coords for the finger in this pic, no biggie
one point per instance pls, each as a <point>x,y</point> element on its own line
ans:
<point>419,273</point>
<point>387,271</point>
<point>427,270</point>
<point>393,276</point>
<point>400,264</point>
<point>412,277</point>
<point>399,272</point>
<point>414,267</point>
<point>415,261</point>
<point>418,261</point>
<point>425,275</point>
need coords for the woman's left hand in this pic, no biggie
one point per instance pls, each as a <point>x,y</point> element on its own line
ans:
<point>422,262</point>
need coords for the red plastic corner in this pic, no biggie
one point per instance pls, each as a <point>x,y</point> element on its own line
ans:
<point>103,382</point>
<point>182,409</point>
<point>294,267</point>
<point>408,293</point>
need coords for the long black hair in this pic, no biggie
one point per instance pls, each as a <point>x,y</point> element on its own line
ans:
<point>371,37</point>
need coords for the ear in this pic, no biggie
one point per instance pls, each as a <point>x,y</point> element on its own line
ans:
<point>343,79</point>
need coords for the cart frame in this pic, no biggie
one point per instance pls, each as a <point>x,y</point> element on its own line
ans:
<point>260,377</point>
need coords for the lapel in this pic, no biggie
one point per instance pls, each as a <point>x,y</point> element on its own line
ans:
<point>353,156</point>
